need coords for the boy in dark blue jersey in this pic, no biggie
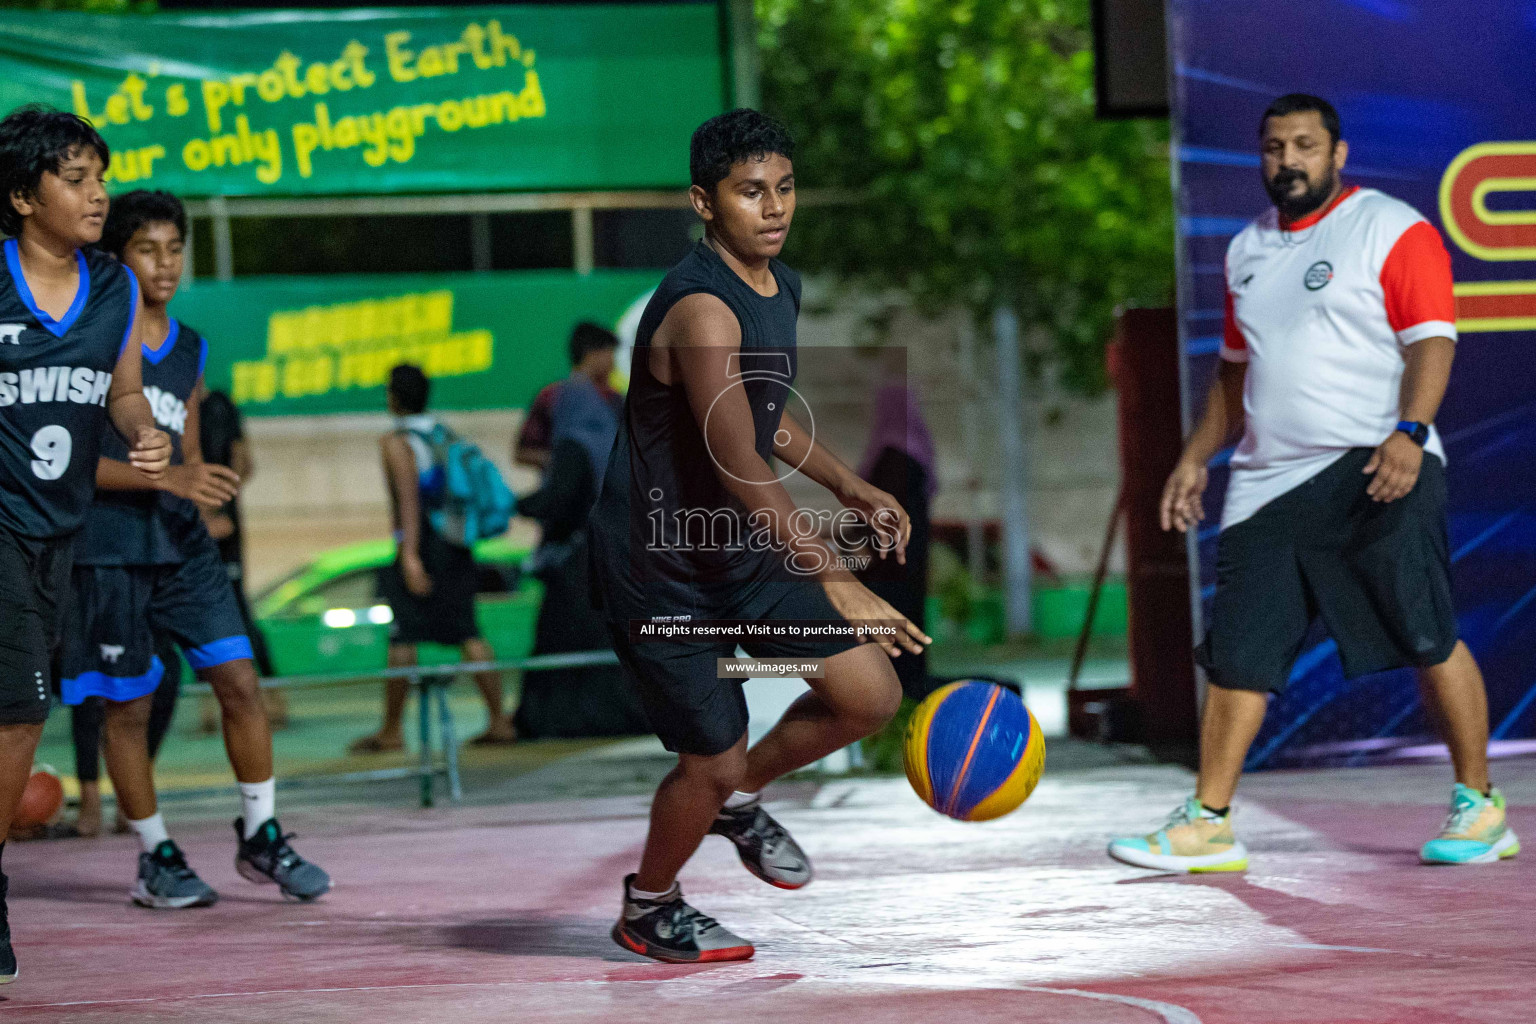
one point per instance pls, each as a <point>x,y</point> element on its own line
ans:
<point>146,566</point>
<point>69,361</point>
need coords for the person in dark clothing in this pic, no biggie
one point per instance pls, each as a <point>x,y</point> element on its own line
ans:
<point>714,365</point>
<point>594,700</point>
<point>591,350</point>
<point>899,460</point>
<point>224,445</point>
<point>430,587</point>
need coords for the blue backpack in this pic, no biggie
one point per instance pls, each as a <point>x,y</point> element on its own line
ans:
<point>476,502</point>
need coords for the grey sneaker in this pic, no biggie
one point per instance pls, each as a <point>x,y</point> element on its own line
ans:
<point>267,857</point>
<point>765,848</point>
<point>165,881</point>
<point>670,930</point>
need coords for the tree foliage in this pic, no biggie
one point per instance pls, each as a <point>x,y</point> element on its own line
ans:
<point>966,130</point>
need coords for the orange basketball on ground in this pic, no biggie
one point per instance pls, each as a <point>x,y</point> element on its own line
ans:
<point>40,801</point>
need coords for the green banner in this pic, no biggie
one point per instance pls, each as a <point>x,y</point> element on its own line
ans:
<point>315,345</point>
<point>375,101</point>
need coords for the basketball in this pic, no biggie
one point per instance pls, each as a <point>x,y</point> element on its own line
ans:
<point>40,801</point>
<point>973,751</point>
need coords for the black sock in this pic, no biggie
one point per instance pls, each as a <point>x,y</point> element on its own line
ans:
<point>1220,812</point>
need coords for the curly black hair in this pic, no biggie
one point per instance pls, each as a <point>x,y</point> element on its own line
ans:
<point>35,140</point>
<point>730,138</point>
<point>132,210</point>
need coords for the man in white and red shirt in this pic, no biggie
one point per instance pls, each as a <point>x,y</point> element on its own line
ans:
<point>1340,333</point>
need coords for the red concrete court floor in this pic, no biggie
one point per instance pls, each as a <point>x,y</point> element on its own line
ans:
<point>458,916</point>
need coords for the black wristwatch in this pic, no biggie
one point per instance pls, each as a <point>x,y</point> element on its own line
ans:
<point>1417,432</point>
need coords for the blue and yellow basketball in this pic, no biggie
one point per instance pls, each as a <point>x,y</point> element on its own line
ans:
<point>973,751</point>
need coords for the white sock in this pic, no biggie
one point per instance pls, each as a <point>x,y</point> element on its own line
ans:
<point>739,799</point>
<point>151,831</point>
<point>641,894</point>
<point>259,802</point>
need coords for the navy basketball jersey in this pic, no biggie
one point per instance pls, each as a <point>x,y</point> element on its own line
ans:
<point>149,527</point>
<point>54,379</point>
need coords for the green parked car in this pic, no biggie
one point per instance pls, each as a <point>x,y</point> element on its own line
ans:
<point>327,616</point>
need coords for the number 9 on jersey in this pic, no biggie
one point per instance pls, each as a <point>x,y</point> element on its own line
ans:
<point>52,445</point>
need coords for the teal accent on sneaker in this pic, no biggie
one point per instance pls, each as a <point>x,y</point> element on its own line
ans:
<point>165,881</point>
<point>1475,831</point>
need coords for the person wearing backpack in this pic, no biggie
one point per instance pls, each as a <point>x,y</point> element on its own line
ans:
<point>444,495</point>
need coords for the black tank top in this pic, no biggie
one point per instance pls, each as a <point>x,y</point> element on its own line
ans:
<point>150,527</point>
<point>668,538</point>
<point>54,379</point>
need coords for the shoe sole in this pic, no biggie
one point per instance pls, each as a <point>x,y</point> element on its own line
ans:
<point>635,944</point>
<point>144,898</point>
<point>6,979</point>
<point>1504,849</point>
<point>776,883</point>
<point>1209,864</point>
<point>250,874</point>
<point>810,872</point>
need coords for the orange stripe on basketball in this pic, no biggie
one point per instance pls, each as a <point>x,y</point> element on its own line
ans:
<point>965,767</point>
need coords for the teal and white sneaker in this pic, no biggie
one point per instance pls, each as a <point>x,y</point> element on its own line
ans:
<point>1192,840</point>
<point>1475,831</point>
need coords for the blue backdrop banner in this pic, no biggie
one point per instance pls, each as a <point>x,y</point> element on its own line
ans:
<point>1438,103</point>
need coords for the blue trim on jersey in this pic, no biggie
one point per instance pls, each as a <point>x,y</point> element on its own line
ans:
<point>133,310</point>
<point>120,689</point>
<point>154,355</point>
<point>58,328</point>
<point>231,648</point>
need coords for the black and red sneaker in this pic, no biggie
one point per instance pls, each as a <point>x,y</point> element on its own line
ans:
<point>670,930</point>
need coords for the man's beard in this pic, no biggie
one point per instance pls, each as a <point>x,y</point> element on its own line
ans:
<point>1295,207</point>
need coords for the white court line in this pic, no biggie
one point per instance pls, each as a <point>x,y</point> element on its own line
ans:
<point>1170,1012</point>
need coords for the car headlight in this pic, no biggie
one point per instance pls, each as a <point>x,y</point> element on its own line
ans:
<point>339,618</point>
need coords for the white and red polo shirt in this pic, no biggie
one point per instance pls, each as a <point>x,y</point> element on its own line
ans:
<point>1321,310</point>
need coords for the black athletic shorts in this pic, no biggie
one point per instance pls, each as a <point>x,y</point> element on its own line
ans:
<point>689,706</point>
<point>34,579</point>
<point>109,642</point>
<point>447,614</point>
<point>1378,573</point>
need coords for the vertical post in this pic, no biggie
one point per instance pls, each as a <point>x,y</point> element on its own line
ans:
<point>424,717</point>
<point>970,432</point>
<point>223,244</point>
<point>1014,478</point>
<point>480,241</point>
<point>746,64</point>
<point>1184,285</point>
<point>187,272</point>
<point>450,743</point>
<point>581,239</point>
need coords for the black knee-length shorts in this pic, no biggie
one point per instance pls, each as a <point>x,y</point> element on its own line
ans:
<point>1377,573</point>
